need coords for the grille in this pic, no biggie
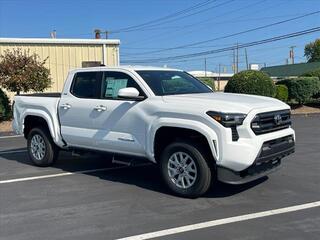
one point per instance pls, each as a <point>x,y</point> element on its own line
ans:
<point>235,135</point>
<point>271,121</point>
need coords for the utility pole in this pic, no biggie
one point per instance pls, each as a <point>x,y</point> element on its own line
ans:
<point>237,58</point>
<point>234,61</point>
<point>291,54</point>
<point>219,77</point>
<point>205,66</point>
<point>53,34</point>
<point>245,51</point>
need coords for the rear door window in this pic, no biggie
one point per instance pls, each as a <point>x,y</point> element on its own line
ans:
<point>87,85</point>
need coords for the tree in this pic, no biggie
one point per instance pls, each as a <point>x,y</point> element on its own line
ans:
<point>312,51</point>
<point>21,71</point>
<point>251,82</point>
<point>5,109</point>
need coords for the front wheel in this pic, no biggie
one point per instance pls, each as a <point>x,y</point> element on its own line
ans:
<point>41,149</point>
<point>185,170</point>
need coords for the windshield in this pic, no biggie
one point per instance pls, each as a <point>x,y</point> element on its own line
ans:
<point>172,82</point>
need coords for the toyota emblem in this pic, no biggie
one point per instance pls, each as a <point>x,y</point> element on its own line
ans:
<point>277,119</point>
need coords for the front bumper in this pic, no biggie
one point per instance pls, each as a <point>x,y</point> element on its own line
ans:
<point>267,161</point>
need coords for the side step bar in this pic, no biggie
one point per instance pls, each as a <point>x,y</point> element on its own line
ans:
<point>123,161</point>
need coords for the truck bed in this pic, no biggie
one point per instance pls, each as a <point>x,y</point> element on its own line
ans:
<point>53,95</point>
<point>43,104</point>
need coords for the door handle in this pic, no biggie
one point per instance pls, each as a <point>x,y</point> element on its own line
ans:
<point>100,108</point>
<point>65,106</point>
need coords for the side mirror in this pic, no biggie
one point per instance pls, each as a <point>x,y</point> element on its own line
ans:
<point>129,93</point>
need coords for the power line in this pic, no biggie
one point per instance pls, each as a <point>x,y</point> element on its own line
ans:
<point>233,34</point>
<point>234,20</point>
<point>250,44</point>
<point>198,24</point>
<point>172,15</point>
<point>198,61</point>
<point>182,17</point>
<point>157,48</point>
<point>185,26</point>
<point>161,19</point>
<point>226,55</point>
<point>133,54</point>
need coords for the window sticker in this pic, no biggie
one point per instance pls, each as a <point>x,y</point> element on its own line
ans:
<point>114,85</point>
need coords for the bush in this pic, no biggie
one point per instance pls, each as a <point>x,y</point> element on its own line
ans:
<point>5,110</point>
<point>282,92</point>
<point>314,73</point>
<point>251,82</point>
<point>302,89</point>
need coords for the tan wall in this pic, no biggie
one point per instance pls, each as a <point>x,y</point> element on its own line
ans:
<point>63,57</point>
<point>112,55</point>
<point>223,84</point>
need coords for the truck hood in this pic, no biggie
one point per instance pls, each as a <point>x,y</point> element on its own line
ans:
<point>226,102</point>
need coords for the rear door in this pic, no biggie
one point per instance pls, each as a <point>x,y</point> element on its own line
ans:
<point>77,109</point>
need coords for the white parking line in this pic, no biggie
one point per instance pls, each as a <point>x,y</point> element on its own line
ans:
<point>66,174</point>
<point>223,221</point>
<point>14,136</point>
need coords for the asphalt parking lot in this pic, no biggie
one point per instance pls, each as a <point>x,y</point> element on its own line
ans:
<point>89,198</point>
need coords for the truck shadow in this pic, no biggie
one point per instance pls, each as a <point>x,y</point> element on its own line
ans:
<point>142,175</point>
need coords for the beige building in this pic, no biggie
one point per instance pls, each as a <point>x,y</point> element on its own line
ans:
<point>66,54</point>
<point>220,79</point>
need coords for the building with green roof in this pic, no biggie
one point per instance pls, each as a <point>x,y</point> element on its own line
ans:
<point>290,70</point>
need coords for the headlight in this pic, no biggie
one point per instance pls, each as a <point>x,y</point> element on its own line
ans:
<point>227,119</point>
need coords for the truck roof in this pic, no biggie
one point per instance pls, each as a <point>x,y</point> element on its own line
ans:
<point>127,67</point>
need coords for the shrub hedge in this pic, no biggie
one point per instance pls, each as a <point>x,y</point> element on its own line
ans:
<point>302,89</point>
<point>282,92</point>
<point>5,109</point>
<point>251,82</point>
<point>314,73</point>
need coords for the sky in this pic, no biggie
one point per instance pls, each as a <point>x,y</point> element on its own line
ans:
<point>150,30</point>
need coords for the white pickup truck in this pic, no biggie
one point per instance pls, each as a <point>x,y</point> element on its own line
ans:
<point>164,115</point>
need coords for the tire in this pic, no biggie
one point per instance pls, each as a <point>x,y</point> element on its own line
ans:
<point>40,138</point>
<point>199,169</point>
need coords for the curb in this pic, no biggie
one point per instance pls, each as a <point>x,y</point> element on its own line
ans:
<point>305,114</point>
<point>8,134</point>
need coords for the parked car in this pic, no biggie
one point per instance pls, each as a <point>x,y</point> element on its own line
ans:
<point>164,115</point>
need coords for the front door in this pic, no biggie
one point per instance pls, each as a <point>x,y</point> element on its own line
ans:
<point>120,125</point>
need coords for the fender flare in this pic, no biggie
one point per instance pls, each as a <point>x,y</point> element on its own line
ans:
<point>201,128</point>
<point>52,124</point>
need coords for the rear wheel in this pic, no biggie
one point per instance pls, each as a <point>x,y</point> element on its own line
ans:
<point>185,170</point>
<point>41,148</point>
